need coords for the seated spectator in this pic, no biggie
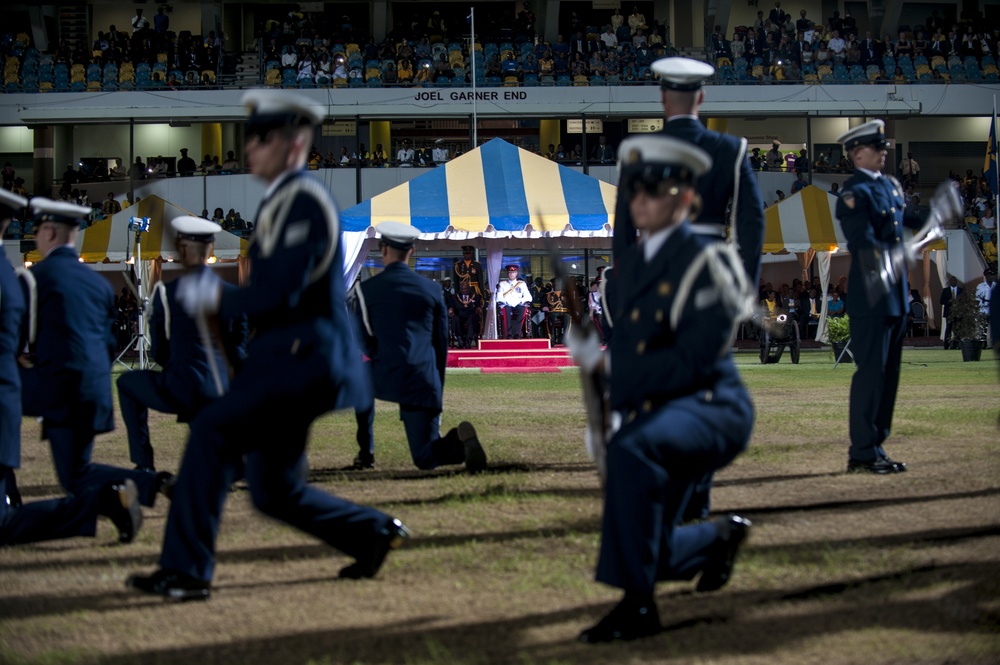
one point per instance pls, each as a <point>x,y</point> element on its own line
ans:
<point>800,182</point>
<point>110,206</point>
<point>990,250</point>
<point>911,197</point>
<point>231,165</point>
<point>771,305</point>
<point>219,217</point>
<point>344,159</point>
<point>835,307</point>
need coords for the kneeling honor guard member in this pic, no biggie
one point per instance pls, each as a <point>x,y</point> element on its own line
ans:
<point>872,213</point>
<point>302,362</point>
<point>71,344</point>
<point>673,303</point>
<point>75,514</point>
<point>404,322</point>
<point>186,383</point>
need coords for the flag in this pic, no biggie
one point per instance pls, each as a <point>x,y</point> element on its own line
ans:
<point>990,164</point>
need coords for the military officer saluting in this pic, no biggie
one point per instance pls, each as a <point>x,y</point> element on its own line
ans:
<point>685,411</point>
<point>186,383</point>
<point>405,325</point>
<point>73,515</point>
<point>302,362</point>
<point>872,213</point>
<point>70,318</point>
<point>512,298</point>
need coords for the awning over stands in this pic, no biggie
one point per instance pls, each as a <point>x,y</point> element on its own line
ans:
<point>498,194</point>
<point>805,220</point>
<point>110,240</point>
<point>495,191</point>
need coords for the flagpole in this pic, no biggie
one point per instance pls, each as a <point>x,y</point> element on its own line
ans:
<point>472,60</point>
<point>996,168</point>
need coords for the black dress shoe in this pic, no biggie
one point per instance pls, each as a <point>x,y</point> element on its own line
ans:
<point>475,456</point>
<point>165,482</point>
<point>119,502</point>
<point>900,466</point>
<point>629,620</point>
<point>879,466</point>
<point>171,585</point>
<point>392,537</point>
<point>733,530</point>
<point>361,464</point>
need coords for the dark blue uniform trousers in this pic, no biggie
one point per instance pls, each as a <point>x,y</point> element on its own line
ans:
<point>52,519</point>
<point>654,464</point>
<point>423,434</point>
<point>877,344</point>
<point>71,454</point>
<point>269,430</point>
<point>138,392</point>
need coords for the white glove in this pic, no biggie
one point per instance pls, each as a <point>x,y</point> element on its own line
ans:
<point>946,203</point>
<point>199,294</point>
<point>584,347</point>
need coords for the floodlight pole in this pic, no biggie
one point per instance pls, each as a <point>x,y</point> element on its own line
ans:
<point>472,61</point>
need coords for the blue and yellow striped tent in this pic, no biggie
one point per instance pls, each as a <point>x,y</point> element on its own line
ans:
<point>496,190</point>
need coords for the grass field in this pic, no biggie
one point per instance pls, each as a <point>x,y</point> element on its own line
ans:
<point>838,569</point>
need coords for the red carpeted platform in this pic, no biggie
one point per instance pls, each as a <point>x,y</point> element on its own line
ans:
<point>511,356</point>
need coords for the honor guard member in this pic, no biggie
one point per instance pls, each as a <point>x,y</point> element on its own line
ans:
<point>302,362</point>
<point>684,410</point>
<point>70,318</point>
<point>513,297</point>
<point>187,382</point>
<point>405,327</point>
<point>730,198</point>
<point>872,214</point>
<point>73,515</point>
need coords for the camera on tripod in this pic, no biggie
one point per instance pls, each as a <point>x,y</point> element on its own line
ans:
<point>139,224</point>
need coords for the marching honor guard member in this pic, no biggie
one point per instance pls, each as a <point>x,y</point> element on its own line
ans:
<point>673,305</point>
<point>187,382</point>
<point>512,298</point>
<point>302,362</point>
<point>729,196</point>
<point>70,318</point>
<point>73,515</point>
<point>405,326</point>
<point>872,213</point>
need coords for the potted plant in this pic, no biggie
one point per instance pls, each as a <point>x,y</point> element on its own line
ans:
<point>970,323</point>
<point>838,330</point>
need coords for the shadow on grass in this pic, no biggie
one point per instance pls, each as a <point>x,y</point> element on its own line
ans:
<point>697,626</point>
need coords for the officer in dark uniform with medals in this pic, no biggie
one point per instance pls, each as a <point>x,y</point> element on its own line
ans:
<point>301,363</point>
<point>70,318</point>
<point>405,326</point>
<point>673,306</point>
<point>468,270</point>
<point>186,383</point>
<point>872,214</point>
<point>468,305</point>
<point>558,315</point>
<point>731,184</point>
<point>73,515</point>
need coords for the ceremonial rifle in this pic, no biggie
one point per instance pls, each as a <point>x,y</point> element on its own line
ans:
<point>592,382</point>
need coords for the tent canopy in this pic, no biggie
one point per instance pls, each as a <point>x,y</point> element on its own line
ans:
<point>497,190</point>
<point>111,241</point>
<point>805,220</point>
